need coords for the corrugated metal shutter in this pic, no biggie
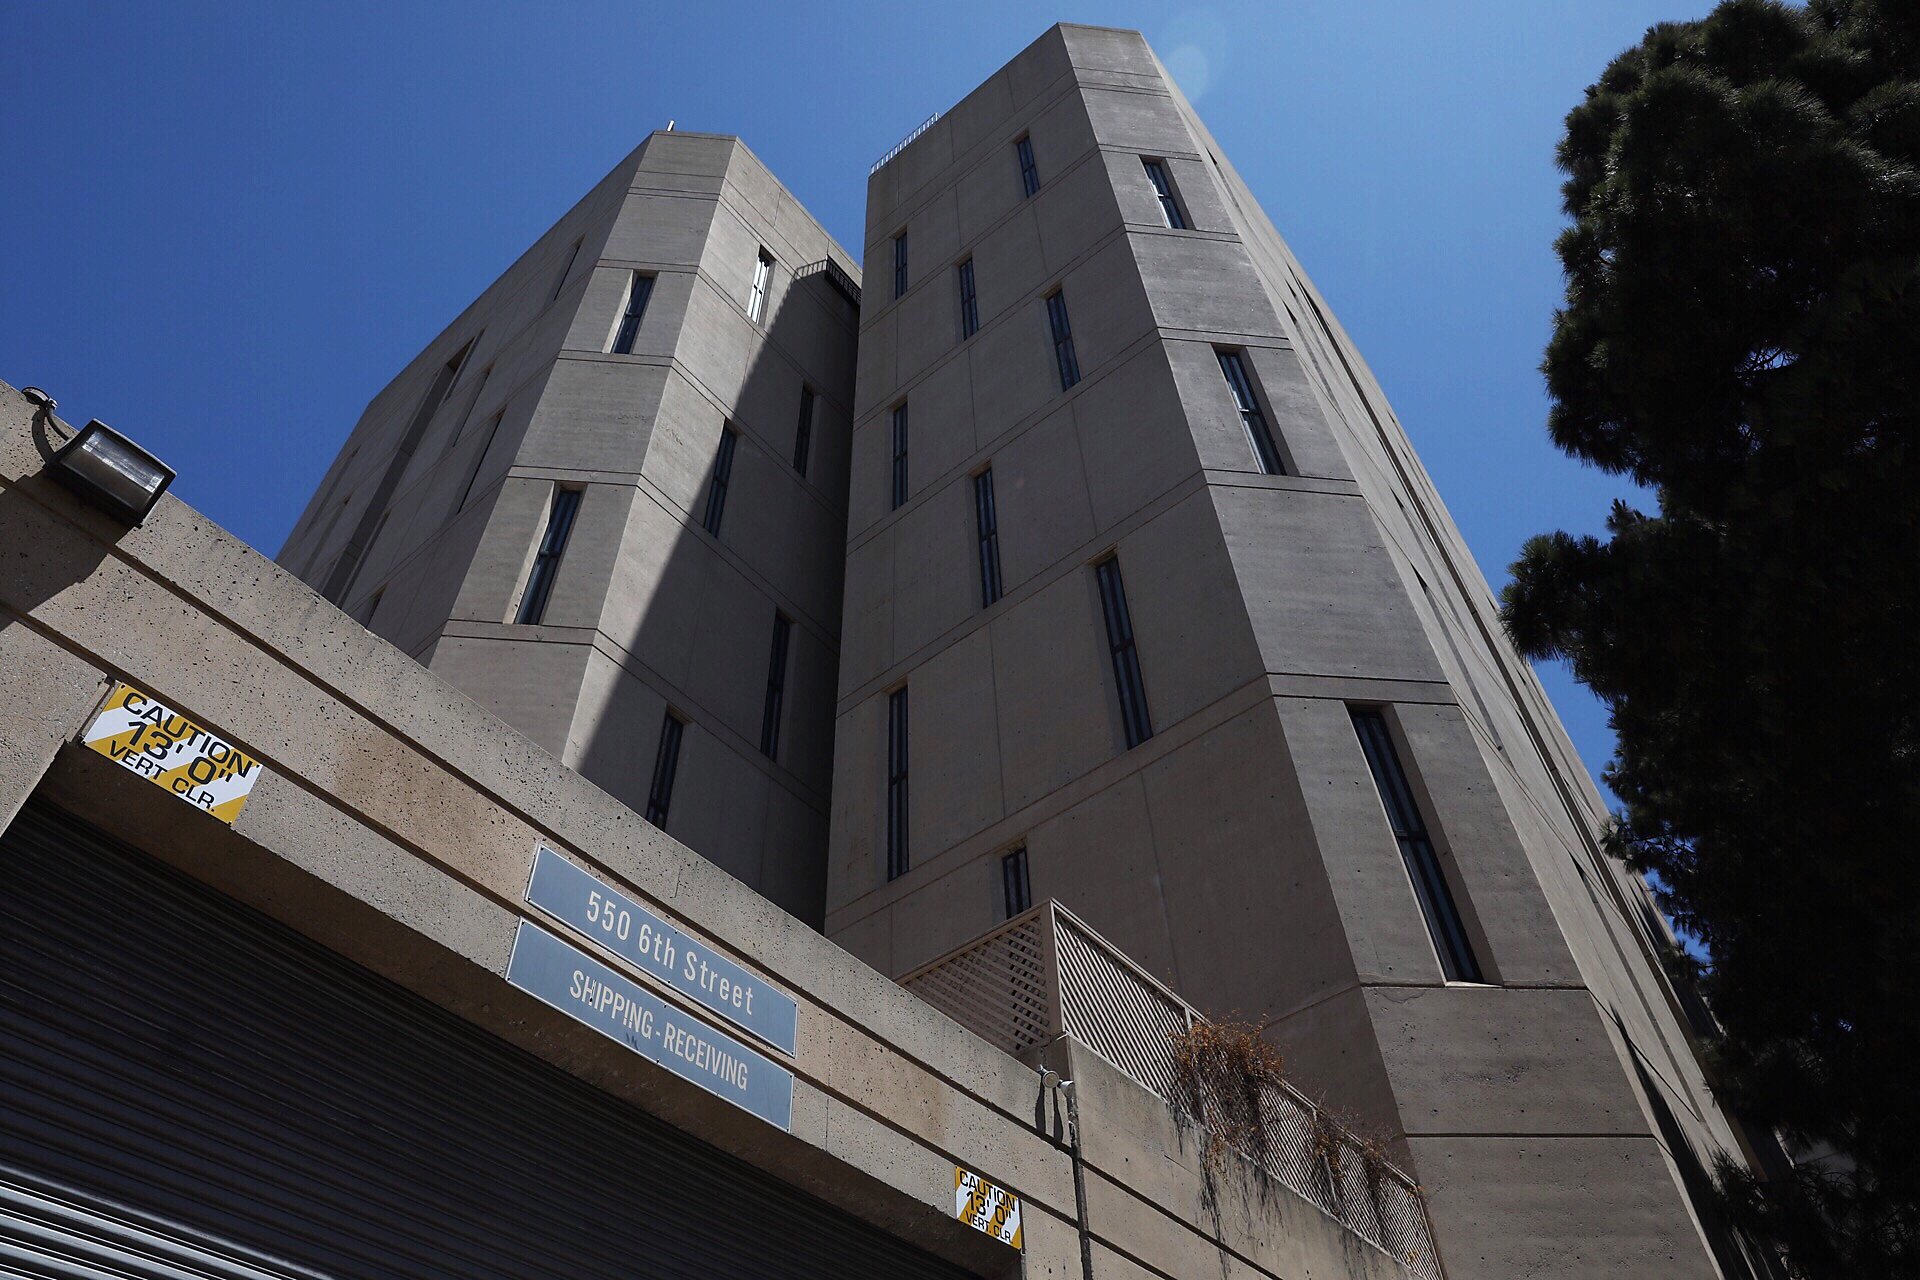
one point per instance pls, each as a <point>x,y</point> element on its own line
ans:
<point>189,1089</point>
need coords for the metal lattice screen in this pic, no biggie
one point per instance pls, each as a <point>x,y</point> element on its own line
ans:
<point>1106,1006</point>
<point>1002,986</point>
<point>998,986</point>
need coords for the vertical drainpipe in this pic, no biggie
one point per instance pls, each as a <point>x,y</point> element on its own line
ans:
<point>1051,1079</point>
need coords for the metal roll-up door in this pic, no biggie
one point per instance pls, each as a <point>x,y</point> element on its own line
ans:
<point>189,1089</point>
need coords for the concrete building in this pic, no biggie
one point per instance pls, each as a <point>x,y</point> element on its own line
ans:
<point>1151,609</point>
<point>1078,571</point>
<point>295,1041</point>
<point>657,393</point>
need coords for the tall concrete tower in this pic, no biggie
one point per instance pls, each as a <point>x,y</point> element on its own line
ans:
<point>1150,608</point>
<point>608,503</point>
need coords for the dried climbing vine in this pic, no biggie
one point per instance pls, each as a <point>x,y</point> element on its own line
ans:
<point>1223,1069</point>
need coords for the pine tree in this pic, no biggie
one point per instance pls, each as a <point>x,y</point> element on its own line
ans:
<point>1741,336</point>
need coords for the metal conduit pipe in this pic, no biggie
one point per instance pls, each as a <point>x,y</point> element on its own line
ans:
<point>1050,1079</point>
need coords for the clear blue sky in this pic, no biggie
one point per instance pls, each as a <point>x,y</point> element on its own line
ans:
<point>227,225</point>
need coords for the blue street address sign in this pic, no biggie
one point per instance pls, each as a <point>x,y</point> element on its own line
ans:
<point>583,988</point>
<point>609,918</point>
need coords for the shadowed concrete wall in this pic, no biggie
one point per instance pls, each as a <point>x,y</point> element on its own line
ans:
<point>649,611</point>
<point>1242,852</point>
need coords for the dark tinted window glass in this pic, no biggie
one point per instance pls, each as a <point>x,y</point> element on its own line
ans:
<point>1016,892</point>
<point>1029,172</point>
<point>666,762</point>
<point>1126,658</point>
<point>717,486</point>
<point>899,456</point>
<point>896,783</point>
<point>1437,907</point>
<point>969,304</point>
<point>1170,210</point>
<point>637,294</point>
<point>1063,355</point>
<point>546,561</point>
<point>803,435</point>
<point>986,521</point>
<point>776,687</point>
<point>1259,436</point>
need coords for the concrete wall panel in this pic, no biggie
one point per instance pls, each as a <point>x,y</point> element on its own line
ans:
<point>1322,596</point>
<point>934,587</point>
<point>956,750</point>
<point>1130,441</point>
<point>1040,498</point>
<point>1057,720</point>
<point>1177,570</point>
<point>1556,1208</point>
<point>1503,1062</point>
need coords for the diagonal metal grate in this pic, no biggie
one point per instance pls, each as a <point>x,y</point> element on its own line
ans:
<point>1045,973</point>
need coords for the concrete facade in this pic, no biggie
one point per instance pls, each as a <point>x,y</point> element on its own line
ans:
<point>426,527</point>
<point>1555,1110</point>
<point>395,825</point>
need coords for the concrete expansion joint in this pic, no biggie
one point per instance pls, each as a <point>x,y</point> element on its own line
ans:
<point>1316,486</point>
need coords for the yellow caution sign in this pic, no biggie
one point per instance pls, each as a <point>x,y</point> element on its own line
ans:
<point>988,1208</point>
<point>147,737</point>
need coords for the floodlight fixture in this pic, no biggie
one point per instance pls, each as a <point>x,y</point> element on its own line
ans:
<point>112,472</point>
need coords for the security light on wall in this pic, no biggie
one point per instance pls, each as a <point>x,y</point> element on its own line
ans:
<point>112,472</point>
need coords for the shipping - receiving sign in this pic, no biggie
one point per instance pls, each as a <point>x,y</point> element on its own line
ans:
<point>581,987</point>
<point>143,735</point>
<point>988,1208</point>
<point>615,921</point>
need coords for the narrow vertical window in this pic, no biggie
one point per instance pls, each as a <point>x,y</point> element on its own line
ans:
<point>899,455</point>
<point>776,686</point>
<point>1259,437</point>
<point>803,434</point>
<point>1170,211</point>
<point>666,762</point>
<point>460,428</point>
<point>1029,172</point>
<point>572,257</point>
<point>717,486</point>
<point>1062,339</point>
<point>459,362</point>
<point>762,278</point>
<point>986,523</point>
<point>1126,658</point>
<point>1437,907</point>
<point>897,783</point>
<point>346,567</point>
<point>546,561</point>
<point>969,304</point>
<point>639,289</point>
<point>480,458</point>
<point>1016,893</point>
<point>900,264</point>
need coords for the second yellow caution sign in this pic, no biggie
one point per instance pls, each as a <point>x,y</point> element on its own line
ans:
<point>988,1208</point>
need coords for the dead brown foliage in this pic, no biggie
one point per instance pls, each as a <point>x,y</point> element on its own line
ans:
<point>1223,1069</point>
